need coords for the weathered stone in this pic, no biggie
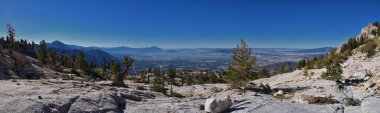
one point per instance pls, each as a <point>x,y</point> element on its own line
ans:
<point>215,105</point>
<point>280,92</point>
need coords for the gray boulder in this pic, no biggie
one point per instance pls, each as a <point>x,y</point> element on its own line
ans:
<point>214,105</point>
<point>97,102</point>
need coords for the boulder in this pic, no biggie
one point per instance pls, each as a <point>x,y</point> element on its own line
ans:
<point>210,104</point>
<point>97,102</point>
<point>214,105</point>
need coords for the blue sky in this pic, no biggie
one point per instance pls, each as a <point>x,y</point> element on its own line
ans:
<point>189,23</point>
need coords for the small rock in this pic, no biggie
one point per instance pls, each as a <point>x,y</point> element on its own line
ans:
<point>366,78</point>
<point>39,97</point>
<point>280,92</point>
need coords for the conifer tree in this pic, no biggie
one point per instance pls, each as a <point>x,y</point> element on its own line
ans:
<point>3,42</point>
<point>115,68</point>
<point>171,73</point>
<point>81,62</point>
<point>158,82</point>
<point>52,57</point>
<point>243,61</point>
<point>33,45</point>
<point>148,76</point>
<point>65,60</point>
<point>1,49</point>
<point>301,64</point>
<point>41,54</point>
<point>212,78</point>
<point>332,64</point>
<point>306,74</point>
<point>104,66</point>
<point>264,73</point>
<point>11,37</point>
<point>119,78</point>
<point>288,69</point>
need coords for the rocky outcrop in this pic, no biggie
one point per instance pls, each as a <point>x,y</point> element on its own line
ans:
<point>46,96</point>
<point>366,32</point>
<point>17,65</point>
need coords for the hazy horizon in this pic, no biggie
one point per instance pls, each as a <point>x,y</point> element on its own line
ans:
<point>189,24</point>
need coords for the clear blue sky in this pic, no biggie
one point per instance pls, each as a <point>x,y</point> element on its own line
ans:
<point>189,23</point>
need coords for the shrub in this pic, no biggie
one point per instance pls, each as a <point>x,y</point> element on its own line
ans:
<point>158,88</point>
<point>280,96</point>
<point>322,100</point>
<point>332,73</point>
<point>369,48</point>
<point>265,89</point>
<point>351,102</point>
<point>250,86</point>
<point>178,95</point>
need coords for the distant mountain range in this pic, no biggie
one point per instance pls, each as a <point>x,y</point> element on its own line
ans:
<point>154,54</point>
<point>91,53</point>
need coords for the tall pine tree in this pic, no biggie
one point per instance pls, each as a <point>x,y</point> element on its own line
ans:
<point>81,61</point>
<point>41,54</point>
<point>243,61</point>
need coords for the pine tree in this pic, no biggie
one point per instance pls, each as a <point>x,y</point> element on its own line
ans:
<point>171,75</point>
<point>81,61</point>
<point>3,42</point>
<point>264,73</point>
<point>119,78</point>
<point>306,74</point>
<point>332,64</point>
<point>1,50</point>
<point>33,45</point>
<point>11,37</point>
<point>148,76</point>
<point>41,54</point>
<point>212,78</point>
<point>158,82</point>
<point>243,61</point>
<point>301,64</point>
<point>104,65</point>
<point>52,57</point>
<point>115,68</point>
<point>65,60</point>
<point>288,69</point>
